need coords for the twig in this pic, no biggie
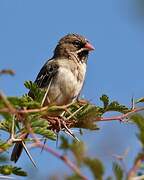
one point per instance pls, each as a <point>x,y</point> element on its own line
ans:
<point>72,122</point>
<point>73,114</point>
<point>135,167</point>
<point>7,71</point>
<point>69,132</point>
<point>10,109</point>
<point>120,117</point>
<point>26,111</point>
<point>56,154</point>
<point>7,103</point>
<point>6,177</point>
<point>121,159</point>
<point>132,103</point>
<point>62,157</point>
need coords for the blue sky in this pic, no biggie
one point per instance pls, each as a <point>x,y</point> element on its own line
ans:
<point>29,31</point>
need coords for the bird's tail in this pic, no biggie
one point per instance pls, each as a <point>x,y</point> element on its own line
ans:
<point>17,150</point>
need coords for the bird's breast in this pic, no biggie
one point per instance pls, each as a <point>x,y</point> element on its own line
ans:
<point>67,84</point>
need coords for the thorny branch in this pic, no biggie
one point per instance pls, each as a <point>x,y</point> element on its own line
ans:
<point>62,157</point>
<point>57,123</point>
<point>121,117</point>
<point>45,108</point>
<point>37,143</point>
<point>136,166</point>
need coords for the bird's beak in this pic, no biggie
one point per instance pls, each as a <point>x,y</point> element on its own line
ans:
<point>89,46</point>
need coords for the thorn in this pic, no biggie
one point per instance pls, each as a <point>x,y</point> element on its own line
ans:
<point>62,114</point>
<point>75,112</point>
<point>132,103</point>
<point>12,129</point>
<point>69,132</point>
<point>6,177</point>
<point>43,145</point>
<point>45,96</point>
<point>29,155</point>
<point>57,140</point>
<point>123,156</point>
<point>72,135</point>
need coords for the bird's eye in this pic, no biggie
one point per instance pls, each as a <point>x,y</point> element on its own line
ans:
<point>77,43</point>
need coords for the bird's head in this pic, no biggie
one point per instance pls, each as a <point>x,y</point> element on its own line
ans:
<point>73,44</point>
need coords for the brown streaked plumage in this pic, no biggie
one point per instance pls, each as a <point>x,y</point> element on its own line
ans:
<point>63,75</point>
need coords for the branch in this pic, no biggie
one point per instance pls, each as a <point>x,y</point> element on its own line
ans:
<point>56,154</point>
<point>61,157</point>
<point>10,108</point>
<point>26,111</point>
<point>7,71</point>
<point>120,117</point>
<point>135,167</point>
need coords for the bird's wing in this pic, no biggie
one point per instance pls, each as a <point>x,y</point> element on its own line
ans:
<point>48,71</point>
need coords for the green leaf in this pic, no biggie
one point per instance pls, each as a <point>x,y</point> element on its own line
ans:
<point>115,106</point>
<point>109,178</point>
<point>96,166</point>
<point>64,143</point>
<point>3,158</point>
<point>105,99</point>
<point>40,126</point>
<point>87,117</point>
<point>27,101</point>
<point>4,145</point>
<point>45,132</point>
<point>112,106</point>
<point>30,85</point>
<point>88,111</point>
<point>74,177</point>
<point>139,121</point>
<point>118,171</point>
<point>24,101</point>
<point>15,101</point>
<point>9,169</point>
<point>6,169</point>
<point>18,171</point>
<point>78,150</point>
<point>35,91</point>
<point>37,121</point>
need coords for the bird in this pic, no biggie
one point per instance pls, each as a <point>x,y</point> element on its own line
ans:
<point>62,76</point>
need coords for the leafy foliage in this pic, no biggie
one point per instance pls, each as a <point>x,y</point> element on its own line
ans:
<point>87,116</point>
<point>77,149</point>
<point>79,152</point>
<point>30,117</point>
<point>112,106</point>
<point>139,121</point>
<point>4,145</point>
<point>118,171</point>
<point>8,170</point>
<point>40,126</point>
<point>95,166</point>
<point>35,92</point>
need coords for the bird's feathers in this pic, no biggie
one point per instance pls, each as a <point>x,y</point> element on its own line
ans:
<point>48,71</point>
